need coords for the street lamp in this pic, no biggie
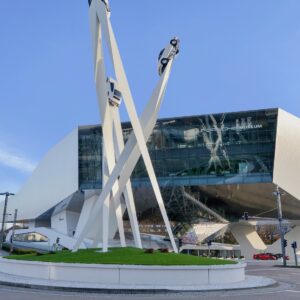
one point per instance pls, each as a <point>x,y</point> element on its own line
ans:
<point>6,194</point>
<point>278,195</point>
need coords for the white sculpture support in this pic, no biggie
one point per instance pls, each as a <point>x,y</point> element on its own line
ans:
<point>117,138</point>
<point>118,180</point>
<point>128,193</point>
<point>113,152</point>
<point>108,146</point>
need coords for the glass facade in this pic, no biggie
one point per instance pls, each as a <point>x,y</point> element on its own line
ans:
<point>228,148</point>
<point>90,157</point>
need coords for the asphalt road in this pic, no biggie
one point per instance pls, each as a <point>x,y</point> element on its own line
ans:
<point>288,288</point>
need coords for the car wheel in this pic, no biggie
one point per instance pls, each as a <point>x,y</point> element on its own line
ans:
<point>173,42</point>
<point>164,61</point>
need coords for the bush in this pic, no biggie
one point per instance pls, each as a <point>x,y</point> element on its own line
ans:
<point>23,251</point>
<point>163,250</point>
<point>149,251</point>
<point>17,251</point>
<point>6,247</point>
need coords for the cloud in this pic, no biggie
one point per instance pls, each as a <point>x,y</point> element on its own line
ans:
<point>15,160</point>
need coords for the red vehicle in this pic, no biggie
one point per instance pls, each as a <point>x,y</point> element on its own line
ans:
<point>265,256</point>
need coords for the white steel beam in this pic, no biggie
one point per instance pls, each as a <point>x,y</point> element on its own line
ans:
<point>136,145</point>
<point>107,130</point>
<point>128,193</point>
<point>128,100</point>
<point>131,153</point>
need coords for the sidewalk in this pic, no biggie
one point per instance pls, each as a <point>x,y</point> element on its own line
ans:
<point>3,253</point>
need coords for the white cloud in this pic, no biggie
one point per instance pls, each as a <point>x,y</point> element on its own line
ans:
<point>15,160</point>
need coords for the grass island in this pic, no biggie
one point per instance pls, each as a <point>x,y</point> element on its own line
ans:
<point>122,256</point>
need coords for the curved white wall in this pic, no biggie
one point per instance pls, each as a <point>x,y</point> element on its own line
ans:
<point>54,179</point>
<point>287,153</point>
<point>125,275</point>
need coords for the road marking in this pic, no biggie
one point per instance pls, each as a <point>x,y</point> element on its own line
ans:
<point>258,293</point>
<point>51,293</point>
<point>255,270</point>
<point>292,291</point>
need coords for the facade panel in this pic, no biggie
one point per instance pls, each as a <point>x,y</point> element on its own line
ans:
<point>90,157</point>
<point>287,157</point>
<point>54,179</point>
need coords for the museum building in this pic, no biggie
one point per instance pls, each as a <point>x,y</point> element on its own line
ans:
<point>212,169</point>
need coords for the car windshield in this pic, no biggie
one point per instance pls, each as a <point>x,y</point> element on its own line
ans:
<point>118,94</point>
<point>161,53</point>
<point>112,86</point>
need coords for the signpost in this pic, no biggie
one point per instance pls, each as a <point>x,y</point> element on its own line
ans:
<point>6,194</point>
<point>278,195</point>
<point>208,245</point>
<point>294,246</point>
<point>13,231</point>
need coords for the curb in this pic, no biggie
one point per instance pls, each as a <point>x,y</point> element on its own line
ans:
<point>138,290</point>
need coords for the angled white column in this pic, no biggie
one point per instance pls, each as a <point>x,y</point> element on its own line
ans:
<point>106,205</point>
<point>291,236</point>
<point>131,153</point>
<point>108,151</point>
<point>136,126</point>
<point>128,193</point>
<point>107,130</point>
<point>136,145</point>
<point>248,239</point>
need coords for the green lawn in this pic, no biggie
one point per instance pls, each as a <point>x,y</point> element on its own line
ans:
<point>122,256</point>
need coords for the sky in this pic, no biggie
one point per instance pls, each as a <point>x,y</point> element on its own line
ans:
<point>235,55</point>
